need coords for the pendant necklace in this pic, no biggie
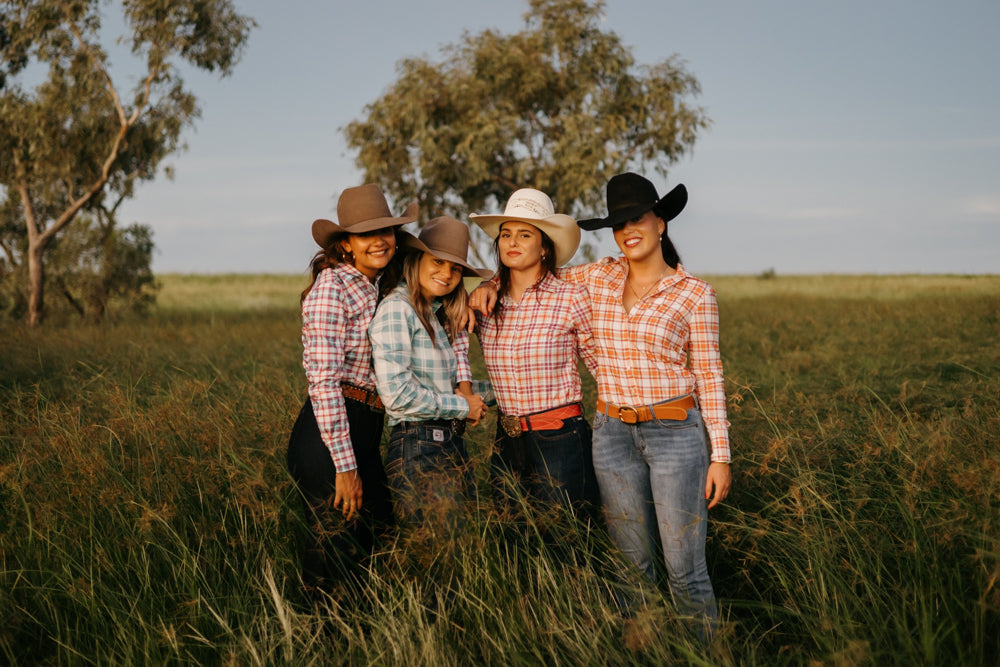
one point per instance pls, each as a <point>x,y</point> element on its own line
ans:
<point>638,296</point>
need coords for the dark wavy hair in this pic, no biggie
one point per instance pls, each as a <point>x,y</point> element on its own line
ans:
<point>670,255</point>
<point>333,254</point>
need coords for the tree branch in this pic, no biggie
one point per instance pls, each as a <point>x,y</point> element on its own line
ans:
<point>100,68</point>
<point>9,251</point>
<point>116,148</point>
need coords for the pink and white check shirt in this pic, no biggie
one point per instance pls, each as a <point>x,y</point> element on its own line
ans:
<point>532,357</point>
<point>335,318</point>
<point>665,347</point>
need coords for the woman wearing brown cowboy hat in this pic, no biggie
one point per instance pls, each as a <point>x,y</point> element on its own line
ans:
<point>333,451</point>
<point>660,388</point>
<point>421,357</point>
<point>531,344</point>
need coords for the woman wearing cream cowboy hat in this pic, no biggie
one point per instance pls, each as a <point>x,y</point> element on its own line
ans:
<point>531,344</point>
<point>333,451</point>
<point>421,357</point>
<point>660,388</point>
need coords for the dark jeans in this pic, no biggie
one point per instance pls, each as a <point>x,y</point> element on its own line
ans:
<point>428,468</point>
<point>338,547</point>
<point>547,467</point>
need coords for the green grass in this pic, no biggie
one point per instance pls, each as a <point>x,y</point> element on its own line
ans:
<point>146,515</point>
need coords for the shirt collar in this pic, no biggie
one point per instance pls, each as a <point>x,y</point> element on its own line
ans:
<point>546,284</point>
<point>618,280</point>
<point>353,273</point>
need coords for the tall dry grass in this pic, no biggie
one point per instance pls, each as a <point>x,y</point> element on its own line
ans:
<point>146,516</point>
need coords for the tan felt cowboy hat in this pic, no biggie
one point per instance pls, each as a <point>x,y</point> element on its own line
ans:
<point>445,238</point>
<point>535,208</point>
<point>359,210</point>
<point>630,196</point>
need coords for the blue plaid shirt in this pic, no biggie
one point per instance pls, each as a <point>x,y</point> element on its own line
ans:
<point>416,378</point>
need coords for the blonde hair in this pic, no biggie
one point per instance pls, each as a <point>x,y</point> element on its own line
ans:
<point>453,303</point>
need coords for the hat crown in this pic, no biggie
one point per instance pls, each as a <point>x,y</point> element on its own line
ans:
<point>360,204</point>
<point>446,236</point>
<point>628,190</point>
<point>529,203</point>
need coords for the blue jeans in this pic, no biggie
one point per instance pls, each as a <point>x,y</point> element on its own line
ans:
<point>428,469</point>
<point>652,481</point>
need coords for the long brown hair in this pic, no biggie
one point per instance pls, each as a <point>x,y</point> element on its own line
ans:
<point>334,254</point>
<point>452,304</point>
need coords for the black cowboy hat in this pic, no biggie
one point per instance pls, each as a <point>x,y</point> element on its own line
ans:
<point>630,195</point>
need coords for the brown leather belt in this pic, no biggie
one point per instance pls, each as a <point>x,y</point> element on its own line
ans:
<point>550,420</point>
<point>675,410</point>
<point>362,395</point>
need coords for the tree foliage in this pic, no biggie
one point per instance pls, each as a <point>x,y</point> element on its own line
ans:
<point>77,141</point>
<point>560,106</point>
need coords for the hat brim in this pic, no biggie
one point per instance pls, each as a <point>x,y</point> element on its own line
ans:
<point>323,230</point>
<point>667,208</point>
<point>411,242</point>
<point>562,229</point>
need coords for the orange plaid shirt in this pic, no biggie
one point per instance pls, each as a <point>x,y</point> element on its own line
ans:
<point>667,346</point>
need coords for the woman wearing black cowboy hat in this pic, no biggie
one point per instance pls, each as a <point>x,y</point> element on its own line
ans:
<point>660,388</point>
<point>333,451</point>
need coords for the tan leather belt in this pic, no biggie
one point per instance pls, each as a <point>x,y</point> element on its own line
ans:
<point>675,410</point>
<point>362,395</point>
<point>550,420</point>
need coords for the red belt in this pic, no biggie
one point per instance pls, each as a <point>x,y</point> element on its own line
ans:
<point>550,420</point>
<point>675,410</point>
<point>362,395</point>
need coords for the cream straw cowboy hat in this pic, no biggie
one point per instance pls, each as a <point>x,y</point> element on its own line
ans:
<point>359,210</point>
<point>535,208</point>
<point>445,238</point>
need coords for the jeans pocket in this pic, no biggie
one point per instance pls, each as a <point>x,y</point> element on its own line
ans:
<point>600,419</point>
<point>693,420</point>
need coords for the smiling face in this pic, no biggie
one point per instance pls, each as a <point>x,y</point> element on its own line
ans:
<point>437,277</point>
<point>639,239</point>
<point>372,250</point>
<point>520,245</point>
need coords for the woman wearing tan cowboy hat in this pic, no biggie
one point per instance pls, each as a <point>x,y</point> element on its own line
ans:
<point>660,387</point>
<point>421,356</point>
<point>333,453</point>
<point>531,344</point>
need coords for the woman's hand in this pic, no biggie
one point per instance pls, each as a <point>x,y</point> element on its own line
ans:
<point>347,497</point>
<point>483,298</point>
<point>719,480</point>
<point>467,320</point>
<point>477,408</point>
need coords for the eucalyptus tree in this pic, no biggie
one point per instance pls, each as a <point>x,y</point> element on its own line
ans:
<point>72,138</point>
<point>560,106</point>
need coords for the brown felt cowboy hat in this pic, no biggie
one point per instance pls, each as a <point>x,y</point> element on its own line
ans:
<point>445,238</point>
<point>535,208</point>
<point>361,209</point>
<point>630,195</point>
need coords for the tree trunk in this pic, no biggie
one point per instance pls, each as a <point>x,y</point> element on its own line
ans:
<point>36,281</point>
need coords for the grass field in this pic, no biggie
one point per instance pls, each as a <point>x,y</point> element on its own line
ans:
<point>146,516</point>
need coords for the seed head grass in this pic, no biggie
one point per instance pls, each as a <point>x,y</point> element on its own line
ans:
<point>147,517</point>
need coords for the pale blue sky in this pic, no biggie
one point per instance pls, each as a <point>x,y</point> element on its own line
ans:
<point>848,136</point>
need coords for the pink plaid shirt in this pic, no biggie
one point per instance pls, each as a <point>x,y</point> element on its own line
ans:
<point>335,318</point>
<point>336,315</point>
<point>665,347</point>
<point>532,357</point>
